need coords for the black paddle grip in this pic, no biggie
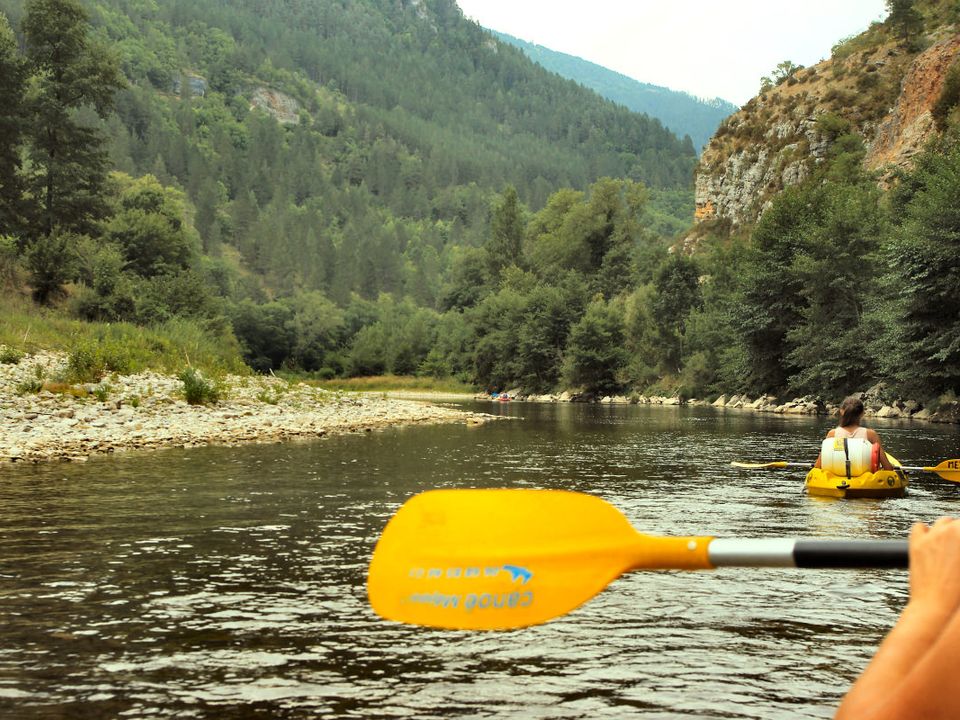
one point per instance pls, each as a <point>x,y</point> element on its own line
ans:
<point>851,554</point>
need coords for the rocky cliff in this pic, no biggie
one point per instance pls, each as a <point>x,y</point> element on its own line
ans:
<point>874,85</point>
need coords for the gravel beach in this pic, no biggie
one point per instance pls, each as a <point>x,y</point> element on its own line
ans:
<point>148,410</point>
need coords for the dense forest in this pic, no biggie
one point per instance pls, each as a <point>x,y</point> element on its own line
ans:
<point>681,112</point>
<point>436,204</point>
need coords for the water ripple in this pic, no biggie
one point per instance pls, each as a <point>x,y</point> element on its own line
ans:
<point>229,582</point>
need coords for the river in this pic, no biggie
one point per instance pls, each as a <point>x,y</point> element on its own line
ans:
<point>229,582</point>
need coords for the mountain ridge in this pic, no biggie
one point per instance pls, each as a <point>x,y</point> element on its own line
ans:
<point>683,112</point>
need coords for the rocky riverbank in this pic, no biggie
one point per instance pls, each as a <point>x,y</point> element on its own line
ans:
<point>43,419</point>
<point>876,401</point>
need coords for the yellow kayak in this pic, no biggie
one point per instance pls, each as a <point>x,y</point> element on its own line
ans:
<point>880,484</point>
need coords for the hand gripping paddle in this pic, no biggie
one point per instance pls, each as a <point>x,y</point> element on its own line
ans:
<point>502,559</point>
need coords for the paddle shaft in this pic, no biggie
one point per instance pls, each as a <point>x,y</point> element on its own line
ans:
<point>782,552</point>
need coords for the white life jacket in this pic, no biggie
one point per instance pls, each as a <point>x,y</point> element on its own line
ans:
<point>848,456</point>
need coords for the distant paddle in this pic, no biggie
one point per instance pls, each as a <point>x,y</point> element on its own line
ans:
<point>774,464</point>
<point>502,559</point>
<point>948,469</point>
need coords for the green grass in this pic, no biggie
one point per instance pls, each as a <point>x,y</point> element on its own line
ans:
<point>387,383</point>
<point>166,348</point>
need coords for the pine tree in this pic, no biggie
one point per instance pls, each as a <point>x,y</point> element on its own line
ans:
<point>506,232</point>
<point>71,75</point>
<point>12,84</point>
<point>906,22</point>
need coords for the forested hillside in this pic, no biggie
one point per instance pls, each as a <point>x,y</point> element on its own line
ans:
<point>381,187</point>
<point>682,113</point>
<point>276,165</point>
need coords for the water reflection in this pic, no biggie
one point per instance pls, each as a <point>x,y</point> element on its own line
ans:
<point>229,582</point>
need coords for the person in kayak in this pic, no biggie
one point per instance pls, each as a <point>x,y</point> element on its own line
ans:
<point>914,669</point>
<point>851,412</point>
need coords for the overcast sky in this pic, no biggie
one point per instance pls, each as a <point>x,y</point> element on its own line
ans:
<point>709,49</point>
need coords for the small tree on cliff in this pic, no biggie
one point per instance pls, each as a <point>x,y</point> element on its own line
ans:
<point>783,72</point>
<point>906,22</point>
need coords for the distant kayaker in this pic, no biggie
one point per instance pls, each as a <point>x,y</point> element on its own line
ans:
<point>913,671</point>
<point>851,412</point>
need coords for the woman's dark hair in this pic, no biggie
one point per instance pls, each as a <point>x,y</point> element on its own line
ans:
<point>851,409</point>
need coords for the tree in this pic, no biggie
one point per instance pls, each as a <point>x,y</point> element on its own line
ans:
<point>783,72</point>
<point>769,301</point>
<point>467,281</point>
<point>838,266</point>
<point>149,228</point>
<point>595,355</point>
<point>264,332</point>
<point>924,256</point>
<point>497,321</point>
<point>550,311</point>
<point>677,287</point>
<point>368,351</point>
<point>316,327</point>
<point>641,337</point>
<point>12,87</point>
<point>506,232</point>
<point>71,74</point>
<point>903,17</point>
<point>596,236</point>
<point>711,332</point>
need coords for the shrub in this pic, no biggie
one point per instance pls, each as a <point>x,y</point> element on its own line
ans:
<point>9,355</point>
<point>31,386</point>
<point>89,361</point>
<point>50,261</point>
<point>197,389</point>
<point>268,396</point>
<point>949,97</point>
<point>832,125</point>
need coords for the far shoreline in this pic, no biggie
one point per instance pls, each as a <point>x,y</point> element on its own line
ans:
<point>948,412</point>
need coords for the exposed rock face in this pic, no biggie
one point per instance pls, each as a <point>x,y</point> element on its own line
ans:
<point>882,93</point>
<point>284,108</point>
<point>903,133</point>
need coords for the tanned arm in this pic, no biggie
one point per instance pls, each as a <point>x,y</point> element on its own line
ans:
<point>913,674</point>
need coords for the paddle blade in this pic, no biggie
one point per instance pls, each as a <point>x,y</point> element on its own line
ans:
<point>777,464</point>
<point>497,559</point>
<point>948,470</point>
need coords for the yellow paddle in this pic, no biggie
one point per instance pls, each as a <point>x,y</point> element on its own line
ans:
<point>501,559</point>
<point>948,469</point>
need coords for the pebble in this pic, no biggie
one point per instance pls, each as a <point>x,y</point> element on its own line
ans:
<point>147,410</point>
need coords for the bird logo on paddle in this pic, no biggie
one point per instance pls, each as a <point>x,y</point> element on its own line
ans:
<point>518,573</point>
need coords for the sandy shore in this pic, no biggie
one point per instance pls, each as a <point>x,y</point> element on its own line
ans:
<point>147,410</point>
